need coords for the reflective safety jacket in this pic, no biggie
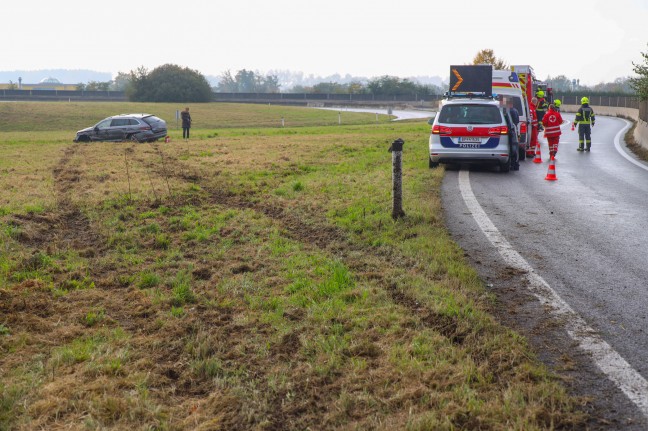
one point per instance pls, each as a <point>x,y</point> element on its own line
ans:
<point>585,115</point>
<point>542,107</point>
<point>551,122</point>
<point>534,115</point>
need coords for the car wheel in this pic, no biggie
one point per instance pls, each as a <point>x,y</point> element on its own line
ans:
<point>432,164</point>
<point>133,138</point>
<point>505,166</point>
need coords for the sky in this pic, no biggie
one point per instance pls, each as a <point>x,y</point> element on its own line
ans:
<point>594,41</point>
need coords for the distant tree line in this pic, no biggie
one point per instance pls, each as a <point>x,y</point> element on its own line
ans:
<point>173,83</point>
<point>640,83</point>
<point>562,84</point>
<point>247,81</point>
<point>166,83</point>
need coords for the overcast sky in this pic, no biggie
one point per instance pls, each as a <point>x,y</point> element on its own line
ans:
<point>594,41</point>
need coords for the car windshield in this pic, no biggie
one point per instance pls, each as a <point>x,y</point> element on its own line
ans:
<point>470,114</point>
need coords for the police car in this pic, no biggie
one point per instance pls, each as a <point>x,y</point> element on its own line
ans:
<point>473,129</point>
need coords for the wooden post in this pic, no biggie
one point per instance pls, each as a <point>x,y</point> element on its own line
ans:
<point>397,178</point>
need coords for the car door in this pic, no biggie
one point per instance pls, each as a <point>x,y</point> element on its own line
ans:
<point>118,129</point>
<point>102,130</point>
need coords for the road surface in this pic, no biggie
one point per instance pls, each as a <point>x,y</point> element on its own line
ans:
<point>569,261</point>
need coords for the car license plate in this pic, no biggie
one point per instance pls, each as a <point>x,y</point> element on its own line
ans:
<point>469,140</point>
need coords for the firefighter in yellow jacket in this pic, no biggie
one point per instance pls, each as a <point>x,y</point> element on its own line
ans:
<point>585,121</point>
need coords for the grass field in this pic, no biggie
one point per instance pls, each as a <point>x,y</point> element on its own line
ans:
<point>251,278</point>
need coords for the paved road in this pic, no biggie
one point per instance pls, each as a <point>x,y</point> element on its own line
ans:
<point>582,240</point>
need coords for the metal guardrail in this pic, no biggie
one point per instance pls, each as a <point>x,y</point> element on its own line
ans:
<point>315,97</point>
<point>62,95</point>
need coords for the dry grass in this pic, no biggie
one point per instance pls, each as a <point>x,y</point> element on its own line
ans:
<point>632,144</point>
<point>249,280</point>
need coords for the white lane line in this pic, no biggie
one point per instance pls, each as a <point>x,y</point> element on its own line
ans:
<point>617,145</point>
<point>633,385</point>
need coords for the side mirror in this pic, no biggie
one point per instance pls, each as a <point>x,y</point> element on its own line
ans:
<point>431,120</point>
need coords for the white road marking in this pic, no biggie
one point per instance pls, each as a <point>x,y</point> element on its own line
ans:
<point>617,145</point>
<point>617,369</point>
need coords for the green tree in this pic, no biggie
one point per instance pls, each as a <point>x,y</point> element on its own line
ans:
<point>329,88</point>
<point>247,81</point>
<point>271,84</point>
<point>227,83</point>
<point>98,86</point>
<point>121,81</point>
<point>640,83</point>
<point>393,86</point>
<point>137,89</point>
<point>559,83</point>
<point>618,86</point>
<point>168,83</point>
<point>487,56</point>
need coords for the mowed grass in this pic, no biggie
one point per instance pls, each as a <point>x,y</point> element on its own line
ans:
<point>73,116</point>
<point>251,278</point>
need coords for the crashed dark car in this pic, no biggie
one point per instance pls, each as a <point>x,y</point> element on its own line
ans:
<point>125,127</point>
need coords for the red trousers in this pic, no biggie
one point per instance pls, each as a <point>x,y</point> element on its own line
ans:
<point>553,144</point>
<point>534,138</point>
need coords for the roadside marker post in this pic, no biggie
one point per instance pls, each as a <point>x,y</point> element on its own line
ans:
<point>396,149</point>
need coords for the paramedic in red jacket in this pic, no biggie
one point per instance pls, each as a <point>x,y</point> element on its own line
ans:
<point>551,122</point>
<point>534,126</point>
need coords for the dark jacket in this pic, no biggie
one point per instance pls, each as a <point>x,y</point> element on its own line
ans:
<point>585,115</point>
<point>541,107</point>
<point>186,119</point>
<point>515,116</point>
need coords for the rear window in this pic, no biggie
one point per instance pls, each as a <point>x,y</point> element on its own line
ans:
<point>152,119</point>
<point>470,114</point>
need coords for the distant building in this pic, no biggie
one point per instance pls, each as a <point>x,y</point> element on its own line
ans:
<point>48,83</point>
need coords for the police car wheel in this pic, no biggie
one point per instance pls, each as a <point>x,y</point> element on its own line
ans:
<point>505,166</point>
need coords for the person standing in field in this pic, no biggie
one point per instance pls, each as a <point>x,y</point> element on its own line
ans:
<point>186,123</point>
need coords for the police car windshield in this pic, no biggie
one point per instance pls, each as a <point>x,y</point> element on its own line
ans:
<point>470,114</point>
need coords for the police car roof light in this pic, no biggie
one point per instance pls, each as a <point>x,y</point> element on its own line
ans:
<point>471,95</point>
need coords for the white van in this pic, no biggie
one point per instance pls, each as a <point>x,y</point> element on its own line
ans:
<point>507,85</point>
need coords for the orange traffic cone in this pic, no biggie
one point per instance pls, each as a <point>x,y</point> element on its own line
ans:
<point>538,156</point>
<point>551,172</point>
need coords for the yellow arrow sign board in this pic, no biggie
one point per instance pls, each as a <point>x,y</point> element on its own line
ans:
<point>472,79</point>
